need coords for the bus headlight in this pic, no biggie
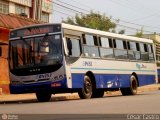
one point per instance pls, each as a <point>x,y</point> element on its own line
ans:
<point>57,78</point>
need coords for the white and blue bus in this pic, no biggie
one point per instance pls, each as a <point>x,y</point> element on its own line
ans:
<point>48,59</point>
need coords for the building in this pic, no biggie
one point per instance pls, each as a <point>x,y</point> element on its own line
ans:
<point>156,38</point>
<point>36,9</point>
<point>15,14</point>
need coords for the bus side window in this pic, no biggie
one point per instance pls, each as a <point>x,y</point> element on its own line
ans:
<point>121,49</point>
<point>90,45</point>
<point>145,48</point>
<point>110,43</point>
<point>95,40</point>
<point>114,43</point>
<point>150,50</point>
<point>144,52</point>
<point>83,39</point>
<point>125,45</point>
<point>69,46</point>
<point>73,46</point>
<point>137,47</point>
<point>106,50</point>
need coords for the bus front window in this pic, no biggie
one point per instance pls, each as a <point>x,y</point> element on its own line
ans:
<point>37,51</point>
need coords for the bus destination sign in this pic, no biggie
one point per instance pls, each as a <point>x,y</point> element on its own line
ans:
<point>35,30</point>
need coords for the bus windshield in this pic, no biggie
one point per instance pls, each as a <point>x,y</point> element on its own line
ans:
<point>35,51</point>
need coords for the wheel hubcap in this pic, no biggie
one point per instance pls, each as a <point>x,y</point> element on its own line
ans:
<point>134,85</point>
<point>87,87</point>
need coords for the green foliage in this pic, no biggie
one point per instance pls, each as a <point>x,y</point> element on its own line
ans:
<point>139,33</point>
<point>92,20</point>
<point>121,32</point>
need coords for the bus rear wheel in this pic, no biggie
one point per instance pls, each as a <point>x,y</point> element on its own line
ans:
<point>132,90</point>
<point>43,96</point>
<point>86,91</point>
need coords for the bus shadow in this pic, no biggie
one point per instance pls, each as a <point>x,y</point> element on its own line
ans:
<point>34,100</point>
<point>66,98</point>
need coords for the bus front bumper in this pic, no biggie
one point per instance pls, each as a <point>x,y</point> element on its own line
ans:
<point>29,88</point>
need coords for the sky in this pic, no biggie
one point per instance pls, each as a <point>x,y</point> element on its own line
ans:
<point>134,15</point>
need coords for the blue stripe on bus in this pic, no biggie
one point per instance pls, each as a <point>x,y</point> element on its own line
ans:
<point>112,69</point>
<point>112,80</point>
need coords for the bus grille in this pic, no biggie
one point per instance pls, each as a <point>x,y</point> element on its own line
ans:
<point>35,81</point>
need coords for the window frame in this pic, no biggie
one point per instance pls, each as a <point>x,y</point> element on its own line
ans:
<point>124,49</point>
<point>4,7</point>
<point>78,38</point>
<point>134,49</point>
<point>109,47</point>
<point>19,9</point>
<point>95,46</point>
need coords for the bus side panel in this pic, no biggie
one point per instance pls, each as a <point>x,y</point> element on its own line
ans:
<point>106,81</point>
<point>77,80</point>
<point>103,80</point>
<point>124,80</point>
<point>146,79</point>
<point>121,80</point>
<point>112,80</point>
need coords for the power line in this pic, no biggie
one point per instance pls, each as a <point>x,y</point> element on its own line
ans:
<point>120,3</point>
<point>63,13</point>
<point>137,24</point>
<point>148,8</point>
<point>73,6</point>
<point>134,28</point>
<point>82,4</point>
<point>113,19</point>
<point>68,8</point>
<point>144,17</point>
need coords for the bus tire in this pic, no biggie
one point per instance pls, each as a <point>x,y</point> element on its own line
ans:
<point>97,93</point>
<point>132,90</point>
<point>43,96</point>
<point>86,91</point>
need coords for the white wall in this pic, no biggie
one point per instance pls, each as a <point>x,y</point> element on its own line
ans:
<point>11,7</point>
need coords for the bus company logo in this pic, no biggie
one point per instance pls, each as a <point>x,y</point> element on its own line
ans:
<point>87,63</point>
<point>140,66</point>
<point>45,76</point>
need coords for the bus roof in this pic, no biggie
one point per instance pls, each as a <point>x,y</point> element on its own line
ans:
<point>104,33</point>
<point>92,31</point>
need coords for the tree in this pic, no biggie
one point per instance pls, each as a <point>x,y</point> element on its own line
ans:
<point>121,32</point>
<point>139,33</point>
<point>92,20</point>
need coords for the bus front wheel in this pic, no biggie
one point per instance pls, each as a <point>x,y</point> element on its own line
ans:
<point>86,91</point>
<point>43,96</point>
<point>132,90</point>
